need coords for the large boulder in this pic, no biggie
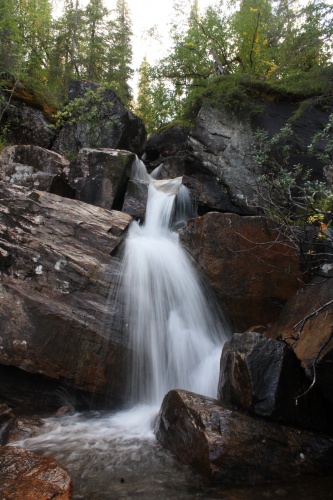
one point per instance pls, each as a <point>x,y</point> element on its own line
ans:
<point>58,317</point>
<point>100,176</point>
<point>263,376</point>
<point>306,325</point>
<point>27,476</point>
<point>101,121</point>
<point>228,446</point>
<point>35,167</point>
<point>252,268</point>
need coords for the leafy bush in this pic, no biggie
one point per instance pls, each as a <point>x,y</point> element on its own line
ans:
<point>300,207</point>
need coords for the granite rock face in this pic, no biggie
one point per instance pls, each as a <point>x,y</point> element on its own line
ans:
<point>58,278</point>
<point>228,446</point>
<point>253,269</point>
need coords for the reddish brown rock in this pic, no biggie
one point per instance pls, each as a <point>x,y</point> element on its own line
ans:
<point>306,324</point>
<point>229,446</point>
<point>251,268</point>
<point>56,315</point>
<point>26,476</point>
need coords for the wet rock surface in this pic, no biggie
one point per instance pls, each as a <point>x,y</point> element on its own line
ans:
<point>229,446</point>
<point>22,428</point>
<point>135,201</point>
<point>264,376</point>
<point>26,476</point>
<point>252,270</point>
<point>58,272</point>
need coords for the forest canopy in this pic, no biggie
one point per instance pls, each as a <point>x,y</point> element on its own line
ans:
<point>231,47</point>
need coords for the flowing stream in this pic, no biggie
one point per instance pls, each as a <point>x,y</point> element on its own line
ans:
<point>176,337</point>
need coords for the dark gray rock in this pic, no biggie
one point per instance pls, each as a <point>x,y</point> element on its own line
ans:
<point>219,165</point>
<point>172,167</point>
<point>229,446</point>
<point>100,176</point>
<point>264,376</point>
<point>115,128</point>
<point>25,124</point>
<point>136,199</point>
<point>171,141</point>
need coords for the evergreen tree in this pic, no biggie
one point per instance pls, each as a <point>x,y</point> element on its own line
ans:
<point>119,56</point>
<point>153,101</point>
<point>10,37</point>
<point>65,55</point>
<point>94,43</point>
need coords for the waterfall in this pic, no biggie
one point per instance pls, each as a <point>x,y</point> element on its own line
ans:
<point>175,334</point>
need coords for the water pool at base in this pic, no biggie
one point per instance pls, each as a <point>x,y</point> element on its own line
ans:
<point>116,456</point>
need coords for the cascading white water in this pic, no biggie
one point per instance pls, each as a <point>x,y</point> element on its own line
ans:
<point>176,337</point>
<point>172,328</point>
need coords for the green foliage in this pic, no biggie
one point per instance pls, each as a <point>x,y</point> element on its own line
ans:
<point>90,108</point>
<point>271,49</point>
<point>153,102</point>
<point>173,124</point>
<point>229,92</point>
<point>119,52</point>
<point>300,206</point>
